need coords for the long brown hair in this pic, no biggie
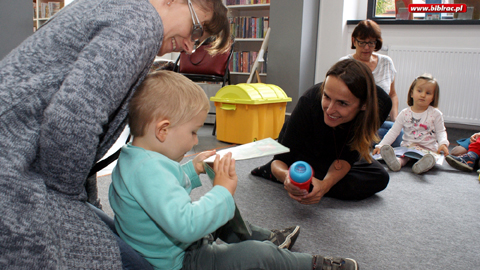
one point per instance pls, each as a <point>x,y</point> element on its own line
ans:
<point>359,80</point>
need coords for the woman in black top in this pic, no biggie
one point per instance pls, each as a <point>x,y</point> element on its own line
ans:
<point>332,128</point>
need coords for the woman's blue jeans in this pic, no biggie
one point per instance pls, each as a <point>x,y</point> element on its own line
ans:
<point>384,128</point>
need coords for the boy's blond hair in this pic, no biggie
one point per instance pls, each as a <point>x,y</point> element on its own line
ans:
<point>165,95</point>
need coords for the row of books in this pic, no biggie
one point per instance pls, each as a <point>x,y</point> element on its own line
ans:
<point>247,2</point>
<point>46,10</point>
<point>243,62</point>
<point>249,27</point>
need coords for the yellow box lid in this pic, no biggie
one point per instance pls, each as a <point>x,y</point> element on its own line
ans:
<point>251,93</point>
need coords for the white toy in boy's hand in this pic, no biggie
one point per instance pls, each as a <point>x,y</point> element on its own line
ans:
<point>223,169</point>
<point>256,149</point>
<point>200,158</point>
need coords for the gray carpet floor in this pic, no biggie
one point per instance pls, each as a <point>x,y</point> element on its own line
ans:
<point>429,221</point>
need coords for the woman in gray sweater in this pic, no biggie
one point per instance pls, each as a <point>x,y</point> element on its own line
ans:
<point>63,103</point>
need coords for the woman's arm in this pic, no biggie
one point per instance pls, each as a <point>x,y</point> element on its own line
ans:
<point>78,119</point>
<point>394,97</point>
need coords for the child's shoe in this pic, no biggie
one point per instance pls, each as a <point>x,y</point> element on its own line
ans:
<point>463,163</point>
<point>330,263</point>
<point>424,164</point>
<point>388,155</point>
<point>285,238</point>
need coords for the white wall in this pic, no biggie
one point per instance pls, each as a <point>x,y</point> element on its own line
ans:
<point>331,33</point>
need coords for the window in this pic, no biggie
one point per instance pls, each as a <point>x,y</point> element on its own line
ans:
<point>398,9</point>
<point>385,9</point>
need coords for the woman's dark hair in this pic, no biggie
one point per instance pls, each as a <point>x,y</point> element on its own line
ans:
<point>368,29</point>
<point>359,80</point>
<point>218,27</point>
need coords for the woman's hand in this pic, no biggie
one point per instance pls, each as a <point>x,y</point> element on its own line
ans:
<point>443,148</point>
<point>376,150</point>
<point>293,191</point>
<point>198,160</point>
<point>302,196</point>
<point>225,174</point>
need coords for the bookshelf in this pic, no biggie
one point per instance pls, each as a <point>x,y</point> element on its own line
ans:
<point>44,9</point>
<point>249,24</point>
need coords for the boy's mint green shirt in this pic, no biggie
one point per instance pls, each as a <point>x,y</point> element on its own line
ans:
<point>153,210</point>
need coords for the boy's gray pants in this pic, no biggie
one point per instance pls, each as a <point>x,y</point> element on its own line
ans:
<point>242,252</point>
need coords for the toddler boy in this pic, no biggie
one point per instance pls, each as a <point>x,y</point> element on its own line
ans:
<point>150,191</point>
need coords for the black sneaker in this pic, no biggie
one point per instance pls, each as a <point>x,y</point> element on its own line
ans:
<point>285,238</point>
<point>330,263</point>
<point>265,171</point>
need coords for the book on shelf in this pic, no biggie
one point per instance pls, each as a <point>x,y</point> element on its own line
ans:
<point>49,9</point>
<point>246,2</point>
<point>415,152</point>
<point>53,8</point>
<point>243,61</point>
<point>248,26</point>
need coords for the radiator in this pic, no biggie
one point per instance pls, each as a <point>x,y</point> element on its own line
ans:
<point>457,72</point>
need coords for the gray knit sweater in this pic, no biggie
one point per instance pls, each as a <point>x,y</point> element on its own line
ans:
<point>63,103</point>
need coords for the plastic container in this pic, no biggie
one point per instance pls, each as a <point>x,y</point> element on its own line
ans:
<point>249,112</point>
<point>301,174</point>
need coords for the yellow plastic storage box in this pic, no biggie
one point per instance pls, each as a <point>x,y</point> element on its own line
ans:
<point>249,112</point>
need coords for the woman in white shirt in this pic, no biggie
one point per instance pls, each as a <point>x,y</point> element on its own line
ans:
<point>366,40</point>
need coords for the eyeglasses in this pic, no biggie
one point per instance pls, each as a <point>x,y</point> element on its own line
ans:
<point>370,44</point>
<point>197,29</point>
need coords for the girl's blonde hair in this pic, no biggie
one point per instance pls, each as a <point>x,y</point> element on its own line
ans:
<point>429,78</point>
<point>165,95</point>
<point>359,80</point>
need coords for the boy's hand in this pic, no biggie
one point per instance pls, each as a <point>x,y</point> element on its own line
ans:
<point>474,137</point>
<point>198,160</point>
<point>225,174</point>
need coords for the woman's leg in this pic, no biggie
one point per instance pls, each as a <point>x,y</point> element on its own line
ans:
<point>384,128</point>
<point>362,181</point>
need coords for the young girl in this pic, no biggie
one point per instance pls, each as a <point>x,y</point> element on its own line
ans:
<point>422,124</point>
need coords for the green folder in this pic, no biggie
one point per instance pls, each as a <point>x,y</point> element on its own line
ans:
<point>237,224</point>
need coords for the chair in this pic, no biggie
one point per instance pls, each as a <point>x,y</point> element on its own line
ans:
<point>202,67</point>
